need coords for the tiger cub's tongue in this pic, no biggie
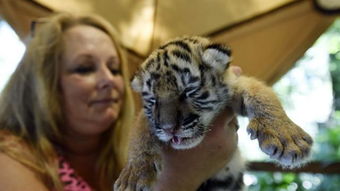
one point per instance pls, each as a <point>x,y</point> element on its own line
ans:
<point>176,140</point>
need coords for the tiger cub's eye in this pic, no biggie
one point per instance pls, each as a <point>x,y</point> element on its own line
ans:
<point>152,100</point>
<point>183,96</point>
<point>190,91</point>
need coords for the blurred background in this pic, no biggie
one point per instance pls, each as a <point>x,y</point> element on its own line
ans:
<point>310,93</point>
<point>293,45</point>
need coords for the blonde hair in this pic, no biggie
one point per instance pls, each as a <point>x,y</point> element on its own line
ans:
<point>30,104</point>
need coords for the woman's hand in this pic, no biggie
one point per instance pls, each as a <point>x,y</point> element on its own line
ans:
<point>185,170</point>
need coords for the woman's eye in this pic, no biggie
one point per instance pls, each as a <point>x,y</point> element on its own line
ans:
<point>116,71</point>
<point>114,66</point>
<point>84,69</point>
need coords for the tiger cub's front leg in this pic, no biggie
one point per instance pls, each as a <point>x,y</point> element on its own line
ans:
<point>140,171</point>
<point>278,136</point>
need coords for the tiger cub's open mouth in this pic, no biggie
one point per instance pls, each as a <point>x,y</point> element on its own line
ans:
<point>177,142</point>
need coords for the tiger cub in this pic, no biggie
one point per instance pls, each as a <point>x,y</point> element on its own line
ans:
<point>184,85</point>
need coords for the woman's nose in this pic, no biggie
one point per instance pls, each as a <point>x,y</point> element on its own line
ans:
<point>105,78</point>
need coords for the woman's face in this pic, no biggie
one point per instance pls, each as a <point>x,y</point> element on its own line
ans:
<point>91,81</point>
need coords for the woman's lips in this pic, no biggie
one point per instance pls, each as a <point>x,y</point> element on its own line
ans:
<point>104,101</point>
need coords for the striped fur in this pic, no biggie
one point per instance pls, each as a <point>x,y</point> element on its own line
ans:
<point>182,87</point>
<point>185,84</point>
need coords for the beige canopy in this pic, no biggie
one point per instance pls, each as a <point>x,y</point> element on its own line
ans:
<point>267,36</point>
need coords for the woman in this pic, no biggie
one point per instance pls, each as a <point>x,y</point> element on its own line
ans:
<point>66,114</point>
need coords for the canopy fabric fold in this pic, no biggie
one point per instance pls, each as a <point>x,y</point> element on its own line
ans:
<point>266,36</point>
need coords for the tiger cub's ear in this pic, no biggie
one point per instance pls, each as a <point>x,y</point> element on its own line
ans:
<point>136,83</point>
<point>217,56</point>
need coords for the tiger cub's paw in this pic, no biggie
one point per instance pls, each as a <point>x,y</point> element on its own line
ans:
<point>281,140</point>
<point>135,177</point>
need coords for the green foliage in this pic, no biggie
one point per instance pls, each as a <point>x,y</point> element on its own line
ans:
<point>266,181</point>
<point>329,183</point>
<point>328,140</point>
<point>334,55</point>
<point>276,182</point>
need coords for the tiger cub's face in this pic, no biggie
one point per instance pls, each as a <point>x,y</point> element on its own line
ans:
<point>182,87</point>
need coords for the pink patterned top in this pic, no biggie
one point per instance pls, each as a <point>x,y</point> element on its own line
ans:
<point>70,179</point>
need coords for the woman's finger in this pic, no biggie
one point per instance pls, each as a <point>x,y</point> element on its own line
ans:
<point>237,70</point>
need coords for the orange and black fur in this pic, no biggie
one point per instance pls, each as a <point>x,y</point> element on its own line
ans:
<point>185,84</point>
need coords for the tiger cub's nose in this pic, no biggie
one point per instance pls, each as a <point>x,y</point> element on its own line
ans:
<point>168,128</point>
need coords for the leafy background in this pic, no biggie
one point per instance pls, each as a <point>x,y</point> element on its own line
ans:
<point>327,133</point>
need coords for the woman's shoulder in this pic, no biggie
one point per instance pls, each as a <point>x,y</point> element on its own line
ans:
<point>16,147</point>
<point>14,175</point>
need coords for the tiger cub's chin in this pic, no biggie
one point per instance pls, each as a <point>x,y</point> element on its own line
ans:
<point>185,143</point>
